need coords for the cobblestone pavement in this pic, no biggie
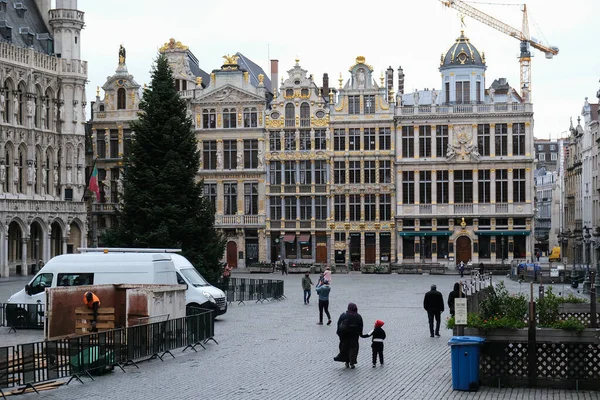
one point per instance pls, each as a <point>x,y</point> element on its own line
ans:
<point>276,351</point>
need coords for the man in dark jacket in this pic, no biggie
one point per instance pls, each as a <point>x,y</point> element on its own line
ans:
<point>433,303</point>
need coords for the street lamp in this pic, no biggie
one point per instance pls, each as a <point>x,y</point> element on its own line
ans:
<point>586,258</point>
<point>597,248</point>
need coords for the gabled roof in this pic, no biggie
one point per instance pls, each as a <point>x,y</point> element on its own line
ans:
<point>253,70</point>
<point>196,70</point>
<point>28,30</point>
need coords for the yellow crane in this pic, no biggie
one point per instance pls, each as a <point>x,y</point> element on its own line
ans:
<point>521,35</point>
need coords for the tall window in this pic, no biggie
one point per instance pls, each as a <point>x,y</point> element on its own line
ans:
<point>370,207</point>
<point>275,208</point>
<point>408,136</point>
<point>126,144</point>
<point>229,118</point>
<point>385,139</point>
<point>370,171</point>
<point>274,141</point>
<point>320,208</point>
<point>369,139</point>
<point>290,140</point>
<point>354,169</point>
<point>425,191</point>
<point>251,154</point>
<point>483,139</point>
<point>385,207</point>
<point>320,172</point>
<point>385,171</point>
<point>501,139</point>
<point>230,198</point>
<point>518,135</point>
<point>304,115</point>
<point>100,144</point>
<point>519,185</point>
<point>354,139</point>
<point>339,172</point>
<point>229,154</point>
<point>408,187</point>
<point>441,140</point>
<point>424,141</point>
<point>483,179</point>
<point>114,144</point>
<point>339,140</point>
<point>209,119</point>
<point>121,99</point>
<point>290,115</point>
<point>339,207</point>
<point>291,212</point>
<point>369,104</point>
<point>478,91</point>
<point>354,104</point>
<point>320,139</point>
<point>210,193</point>
<point>250,117</point>
<point>442,183</point>
<point>304,139</point>
<point>305,208</point>
<point>463,186</point>
<point>209,154</point>
<point>501,186</point>
<point>275,173</point>
<point>463,92</point>
<point>251,198</point>
<point>305,172</point>
<point>290,172</point>
<point>354,207</point>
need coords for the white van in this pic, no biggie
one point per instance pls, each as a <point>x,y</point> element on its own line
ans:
<point>115,266</point>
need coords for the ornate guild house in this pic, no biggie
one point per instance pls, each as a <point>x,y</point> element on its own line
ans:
<point>42,135</point>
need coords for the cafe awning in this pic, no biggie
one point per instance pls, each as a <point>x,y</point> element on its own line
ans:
<point>514,232</point>
<point>426,233</point>
<point>304,238</point>
<point>289,237</point>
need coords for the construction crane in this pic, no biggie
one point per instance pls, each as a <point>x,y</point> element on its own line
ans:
<point>521,35</point>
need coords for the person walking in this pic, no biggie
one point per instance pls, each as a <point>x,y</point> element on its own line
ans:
<point>283,268</point>
<point>455,293</point>
<point>461,268</point>
<point>481,269</point>
<point>323,290</point>
<point>306,286</point>
<point>349,330</point>
<point>433,303</point>
<point>378,335</point>
<point>327,274</point>
<point>226,275</point>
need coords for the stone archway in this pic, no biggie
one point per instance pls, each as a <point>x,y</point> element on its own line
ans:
<point>74,241</point>
<point>36,247</point>
<point>463,249</point>
<point>55,240</point>
<point>15,248</point>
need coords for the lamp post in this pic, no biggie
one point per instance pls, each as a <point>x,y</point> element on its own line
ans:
<point>502,248</point>
<point>585,256</point>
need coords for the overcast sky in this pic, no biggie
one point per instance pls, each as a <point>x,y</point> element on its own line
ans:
<point>328,35</point>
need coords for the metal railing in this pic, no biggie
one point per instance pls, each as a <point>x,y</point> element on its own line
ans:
<point>22,315</point>
<point>258,290</point>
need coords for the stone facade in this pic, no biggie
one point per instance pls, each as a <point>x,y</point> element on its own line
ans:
<point>111,138</point>
<point>42,156</point>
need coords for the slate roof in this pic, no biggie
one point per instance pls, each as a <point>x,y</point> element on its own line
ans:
<point>253,70</point>
<point>196,70</point>
<point>25,27</point>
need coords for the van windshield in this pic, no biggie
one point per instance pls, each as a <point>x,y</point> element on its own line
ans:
<point>193,277</point>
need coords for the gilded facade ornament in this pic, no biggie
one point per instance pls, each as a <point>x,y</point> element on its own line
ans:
<point>341,80</point>
<point>213,78</point>
<point>361,60</point>
<point>246,76</point>
<point>261,79</point>
<point>172,45</point>
<point>97,91</point>
<point>231,60</point>
<point>198,81</point>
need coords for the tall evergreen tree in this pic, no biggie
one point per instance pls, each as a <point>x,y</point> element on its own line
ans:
<point>162,204</point>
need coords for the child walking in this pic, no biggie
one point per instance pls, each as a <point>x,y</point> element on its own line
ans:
<point>378,335</point>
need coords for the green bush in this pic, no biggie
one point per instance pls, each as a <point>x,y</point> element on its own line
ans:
<point>547,309</point>
<point>476,321</point>
<point>571,298</point>
<point>569,324</point>
<point>501,304</point>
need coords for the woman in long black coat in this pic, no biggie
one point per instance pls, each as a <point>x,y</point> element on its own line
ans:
<point>349,329</point>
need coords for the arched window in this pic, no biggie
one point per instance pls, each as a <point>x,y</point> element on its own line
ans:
<point>101,107</point>
<point>209,119</point>
<point>8,165</point>
<point>8,101</point>
<point>121,99</point>
<point>21,184</point>
<point>37,103</point>
<point>304,115</point>
<point>250,118</point>
<point>47,117</point>
<point>290,115</point>
<point>21,101</point>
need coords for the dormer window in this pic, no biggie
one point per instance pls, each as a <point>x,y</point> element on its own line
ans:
<point>20,8</point>
<point>27,35</point>
<point>3,4</point>
<point>101,107</point>
<point>289,92</point>
<point>5,29</point>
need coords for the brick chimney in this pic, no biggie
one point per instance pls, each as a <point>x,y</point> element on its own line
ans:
<point>400,81</point>
<point>275,76</point>
<point>325,88</point>
<point>389,80</point>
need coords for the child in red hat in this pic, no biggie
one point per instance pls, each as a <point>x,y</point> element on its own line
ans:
<point>377,345</point>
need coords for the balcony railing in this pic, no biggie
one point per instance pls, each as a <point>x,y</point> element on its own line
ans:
<point>465,109</point>
<point>425,209</point>
<point>501,208</point>
<point>105,207</point>
<point>290,123</point>
<point>290,224</point>
<point>304,122</point>
<point>463,208</point>
<point>480,210</point>
<point>235,220</point>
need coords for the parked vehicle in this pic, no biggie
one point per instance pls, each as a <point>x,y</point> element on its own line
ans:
<point>120,266</point>
<point>554,255</point>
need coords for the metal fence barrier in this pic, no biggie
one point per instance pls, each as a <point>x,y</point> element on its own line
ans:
<point>24,365</point>
<point>258,290</point>
<point>22,315</point>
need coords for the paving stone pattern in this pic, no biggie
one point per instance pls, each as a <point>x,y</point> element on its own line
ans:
<point>276,351</point>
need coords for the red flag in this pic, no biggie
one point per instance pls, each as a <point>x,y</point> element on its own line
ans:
<point>93,185</point>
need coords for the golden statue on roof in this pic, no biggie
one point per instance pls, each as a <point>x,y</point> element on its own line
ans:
<point>231,60</point>
<point>172,45</point>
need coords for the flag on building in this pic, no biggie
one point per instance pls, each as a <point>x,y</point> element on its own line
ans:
<point>93,184</point>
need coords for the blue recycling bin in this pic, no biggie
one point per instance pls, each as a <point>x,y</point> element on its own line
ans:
<point>465,362</point>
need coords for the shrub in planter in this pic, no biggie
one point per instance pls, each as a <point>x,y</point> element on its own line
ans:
<point>502,304</point>
<point>548,309</point>
<point>570,324</point>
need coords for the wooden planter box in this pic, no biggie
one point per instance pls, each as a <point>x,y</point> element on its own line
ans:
<point>261,270</point>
